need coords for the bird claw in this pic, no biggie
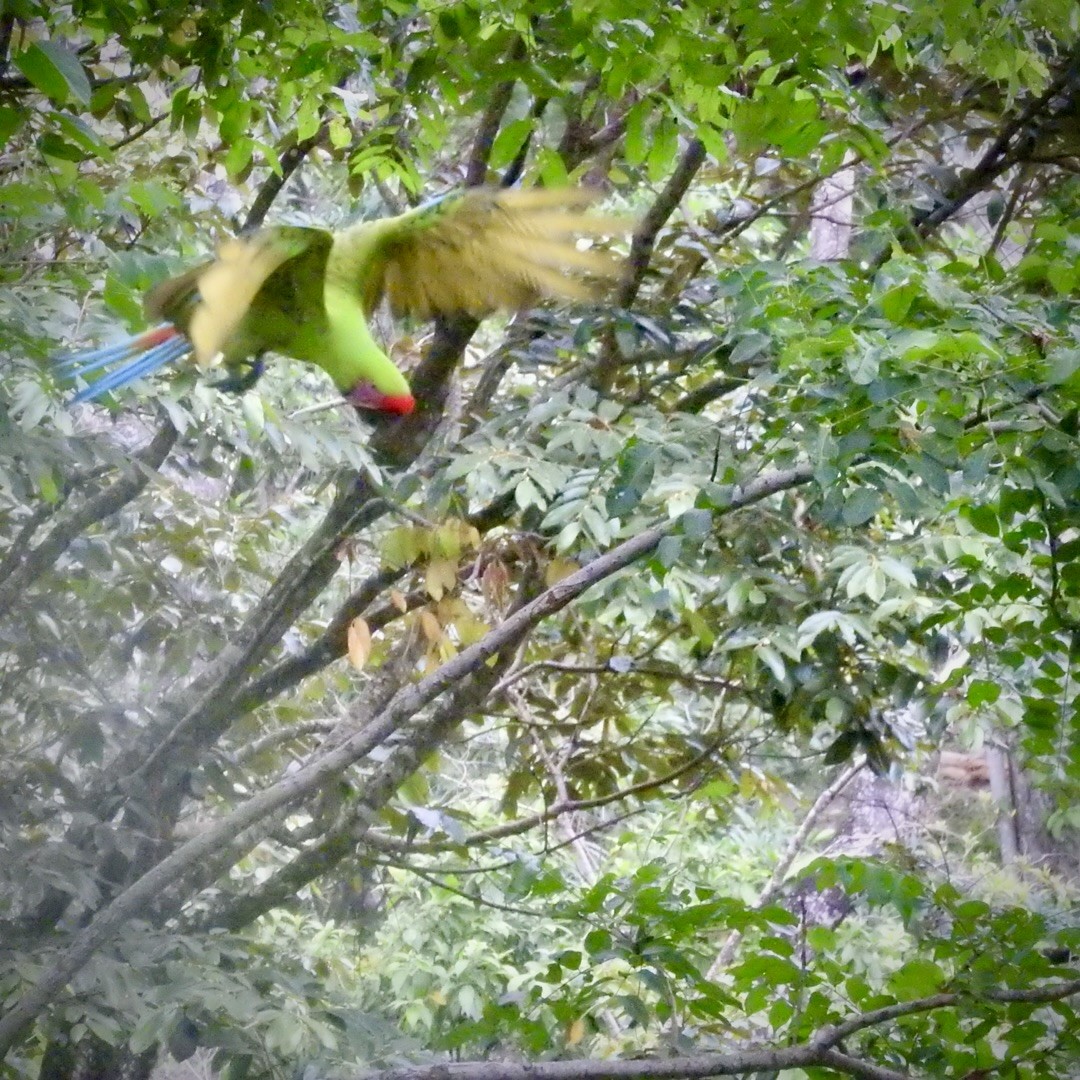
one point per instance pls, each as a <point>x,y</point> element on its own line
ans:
<point>238,384</point>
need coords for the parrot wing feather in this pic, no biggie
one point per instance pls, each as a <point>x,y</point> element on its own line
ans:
<point>229,286</point>
<point>485,249</point>
<point>170,299</point>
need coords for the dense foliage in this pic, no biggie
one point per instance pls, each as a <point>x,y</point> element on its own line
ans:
<point>490,732</point>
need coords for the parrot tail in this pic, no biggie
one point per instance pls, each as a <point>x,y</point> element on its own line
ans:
<point>143,353</point>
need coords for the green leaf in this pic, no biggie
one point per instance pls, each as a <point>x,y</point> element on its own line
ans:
<point>10,122</point>
<point>124,300</point>
<point>74,140</point>
<point>251,406</point>
<point>916,979</point>
<point>597,941</point>
<point>771,659</point>
<point>665,145</point>
<point>47,487</point>
<point>668,551</point>
<point>635,140</point>
<point>55,71</point>
<point>153,198</point>
<point>1064,363</point>
<point>509,141</point>
<point>29,403</point>
<point>984,518</point>
<point>860,506</point>
<point>896,303</point>
<point>841,748</point>
<point>239,156</point>
<point>749,346</point>
<point>864,366</point>
<point>697,524</point>
<point>1062,276</point>
<point>53,145</point>
<point>982,692</point>
<point>23,196</point>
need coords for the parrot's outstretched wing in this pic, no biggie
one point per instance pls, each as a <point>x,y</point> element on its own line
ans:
<point>267,279</point>
<point>485,249</point>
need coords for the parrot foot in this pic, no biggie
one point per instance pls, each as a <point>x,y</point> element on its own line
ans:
<point>244,380</point>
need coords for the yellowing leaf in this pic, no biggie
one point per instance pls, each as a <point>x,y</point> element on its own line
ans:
<point>430,627</point>
<point>358,643</point>
<point>400,547</point>
<point>748,785</point>
<point>450,608</point>
<point>453,537</point>
<point>558,569</point>
<point>440,577</point>
<point>454,612</point>
<point>576,1032</point>
<point>397,598</point>
<point>447,541</point>
<point>185,33</point>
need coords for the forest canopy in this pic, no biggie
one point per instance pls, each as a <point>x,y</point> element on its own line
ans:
<point>684,688</point>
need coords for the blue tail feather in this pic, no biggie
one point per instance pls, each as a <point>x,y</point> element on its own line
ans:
<point>141,365</point>
<point>140,361</point>
<point>94,359</point>
<point>91,359</point>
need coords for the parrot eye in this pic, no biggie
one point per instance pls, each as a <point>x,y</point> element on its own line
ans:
<point>364,395</point>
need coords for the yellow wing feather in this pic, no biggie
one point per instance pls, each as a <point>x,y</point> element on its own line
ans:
<point>486,249</point>
<point>230,284</point>
<point>211,301</point>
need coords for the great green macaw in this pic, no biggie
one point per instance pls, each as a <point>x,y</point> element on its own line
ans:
<point>307,293</point>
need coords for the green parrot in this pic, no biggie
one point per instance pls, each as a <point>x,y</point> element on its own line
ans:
<point>308,293</point>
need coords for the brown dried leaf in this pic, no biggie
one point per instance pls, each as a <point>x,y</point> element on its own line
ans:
<point>358,643</point>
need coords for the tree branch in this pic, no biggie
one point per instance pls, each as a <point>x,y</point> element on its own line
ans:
<point>641,251</point>
<point>135,477</point>
<point>498,100</point>
<point>289,162</point>
<point>1039,995</point>
<point>819,1051</point>
<point>7,25</point>
<point>352,825</point>
<point>1006,150</point>
<point>652,1068</point>
<point>19,548</point>
<point>208,704</point>
<point>331,644</point>
<point>323,770</point>
<point>564,806</point>
<point>379,787</point>
<point>776,878</point>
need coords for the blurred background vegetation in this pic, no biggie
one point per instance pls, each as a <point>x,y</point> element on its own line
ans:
<point>306,768</point>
